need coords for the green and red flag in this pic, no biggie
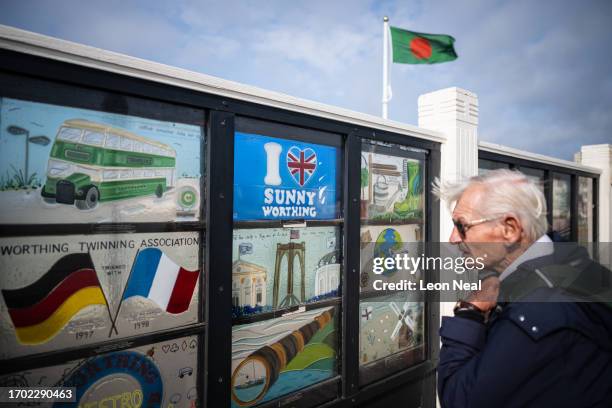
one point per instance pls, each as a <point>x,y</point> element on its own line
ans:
<point>410,47</point>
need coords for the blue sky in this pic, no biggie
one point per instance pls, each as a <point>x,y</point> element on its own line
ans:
<point>542,69</point>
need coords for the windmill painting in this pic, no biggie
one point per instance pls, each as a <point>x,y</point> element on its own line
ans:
<point>387,329</point>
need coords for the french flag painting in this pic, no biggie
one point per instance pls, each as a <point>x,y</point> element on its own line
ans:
<point>156,277</point>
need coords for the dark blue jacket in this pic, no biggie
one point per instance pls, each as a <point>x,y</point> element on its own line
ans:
<point>541,349</point>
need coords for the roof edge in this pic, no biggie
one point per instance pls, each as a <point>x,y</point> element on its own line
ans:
<point>66,51</point>
<point>522,154</point>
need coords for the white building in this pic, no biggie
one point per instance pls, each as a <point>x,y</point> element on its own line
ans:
<point>248,284</point>
<point>327,275</point>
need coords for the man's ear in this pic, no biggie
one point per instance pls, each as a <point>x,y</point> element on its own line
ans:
<point>512,229</point>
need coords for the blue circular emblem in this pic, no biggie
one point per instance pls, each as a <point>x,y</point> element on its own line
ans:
<point>140,369</point>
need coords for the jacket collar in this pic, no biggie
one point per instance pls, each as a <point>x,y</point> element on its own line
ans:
<point>542,247</point>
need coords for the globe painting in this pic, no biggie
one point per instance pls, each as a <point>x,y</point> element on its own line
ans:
<point>388,243</point>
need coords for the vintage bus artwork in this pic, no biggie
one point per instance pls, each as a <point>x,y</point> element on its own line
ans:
<point>91,162</point>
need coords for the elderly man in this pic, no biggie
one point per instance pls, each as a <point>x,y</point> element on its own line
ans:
<point>523,340</point>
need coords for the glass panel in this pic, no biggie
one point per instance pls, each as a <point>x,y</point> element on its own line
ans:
<point>110,174</point>
<point>485,166</point>
<point>44,192</point>
<point>162,374</point>
<point>536,175</point>
<point>113,141</point>
<point>69,134</point>
<point>391,188</point>
<point>275,357</point>
<point>58,168</point>
<point>392,223</point>
<point>285,266</point>
<point>93,138</point>
<point>562,217</point>
<point>138,147</point>
<point>126,143</point>
<point>585,209</point>
<point>280,179</point>
<point>390,324</point>
<point>68,291</point>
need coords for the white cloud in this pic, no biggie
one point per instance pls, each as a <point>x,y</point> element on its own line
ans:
<point>541,69</point>
<point>328,51</point>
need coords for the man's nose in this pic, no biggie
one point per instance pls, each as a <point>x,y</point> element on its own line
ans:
<point>455,237</point>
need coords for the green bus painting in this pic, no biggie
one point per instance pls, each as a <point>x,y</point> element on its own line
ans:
<point>91,162</point>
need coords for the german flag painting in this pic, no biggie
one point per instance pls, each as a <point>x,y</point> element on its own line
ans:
<point>40,310</point>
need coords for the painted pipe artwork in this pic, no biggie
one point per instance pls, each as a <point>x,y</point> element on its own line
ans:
<point>260,370</point>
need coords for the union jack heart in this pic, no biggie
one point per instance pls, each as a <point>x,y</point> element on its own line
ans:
<point>301,164</point>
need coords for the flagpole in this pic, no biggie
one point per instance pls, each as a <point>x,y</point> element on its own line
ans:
<point>385,95</point>
<point>123,294</point>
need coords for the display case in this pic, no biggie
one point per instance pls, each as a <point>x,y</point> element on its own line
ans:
<point>571,199</point>
<point>102,248</point>
<point>538,176</point>
<point>561,207</point>
<point>585,210</point>
<point>485,166</point>
<point>392,326</point>
<point>286,260</point>
<point>172,241</point>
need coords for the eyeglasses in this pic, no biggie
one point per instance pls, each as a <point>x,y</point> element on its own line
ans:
<point>463,228</point>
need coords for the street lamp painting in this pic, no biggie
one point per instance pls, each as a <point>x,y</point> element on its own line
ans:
<point>38,140</point>
<point>16,130</point>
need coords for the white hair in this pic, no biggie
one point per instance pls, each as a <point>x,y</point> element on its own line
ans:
<point>506,192</point>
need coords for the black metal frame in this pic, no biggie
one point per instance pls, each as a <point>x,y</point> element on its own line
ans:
<point>29,77</point>
<point>381,371</point>
<point>382,368</point>
<point>219,238</point>
<point>43,89</point>
<point>549,170</point>
<point>327,390</point>
<point>351,267</point>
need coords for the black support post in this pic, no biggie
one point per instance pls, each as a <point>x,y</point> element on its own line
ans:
<point>548,194</point>
<point>595,205</point>
<point>219,205</point>
<point>350,279</point>
<point>574,208</point>
<point>432,240</point>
